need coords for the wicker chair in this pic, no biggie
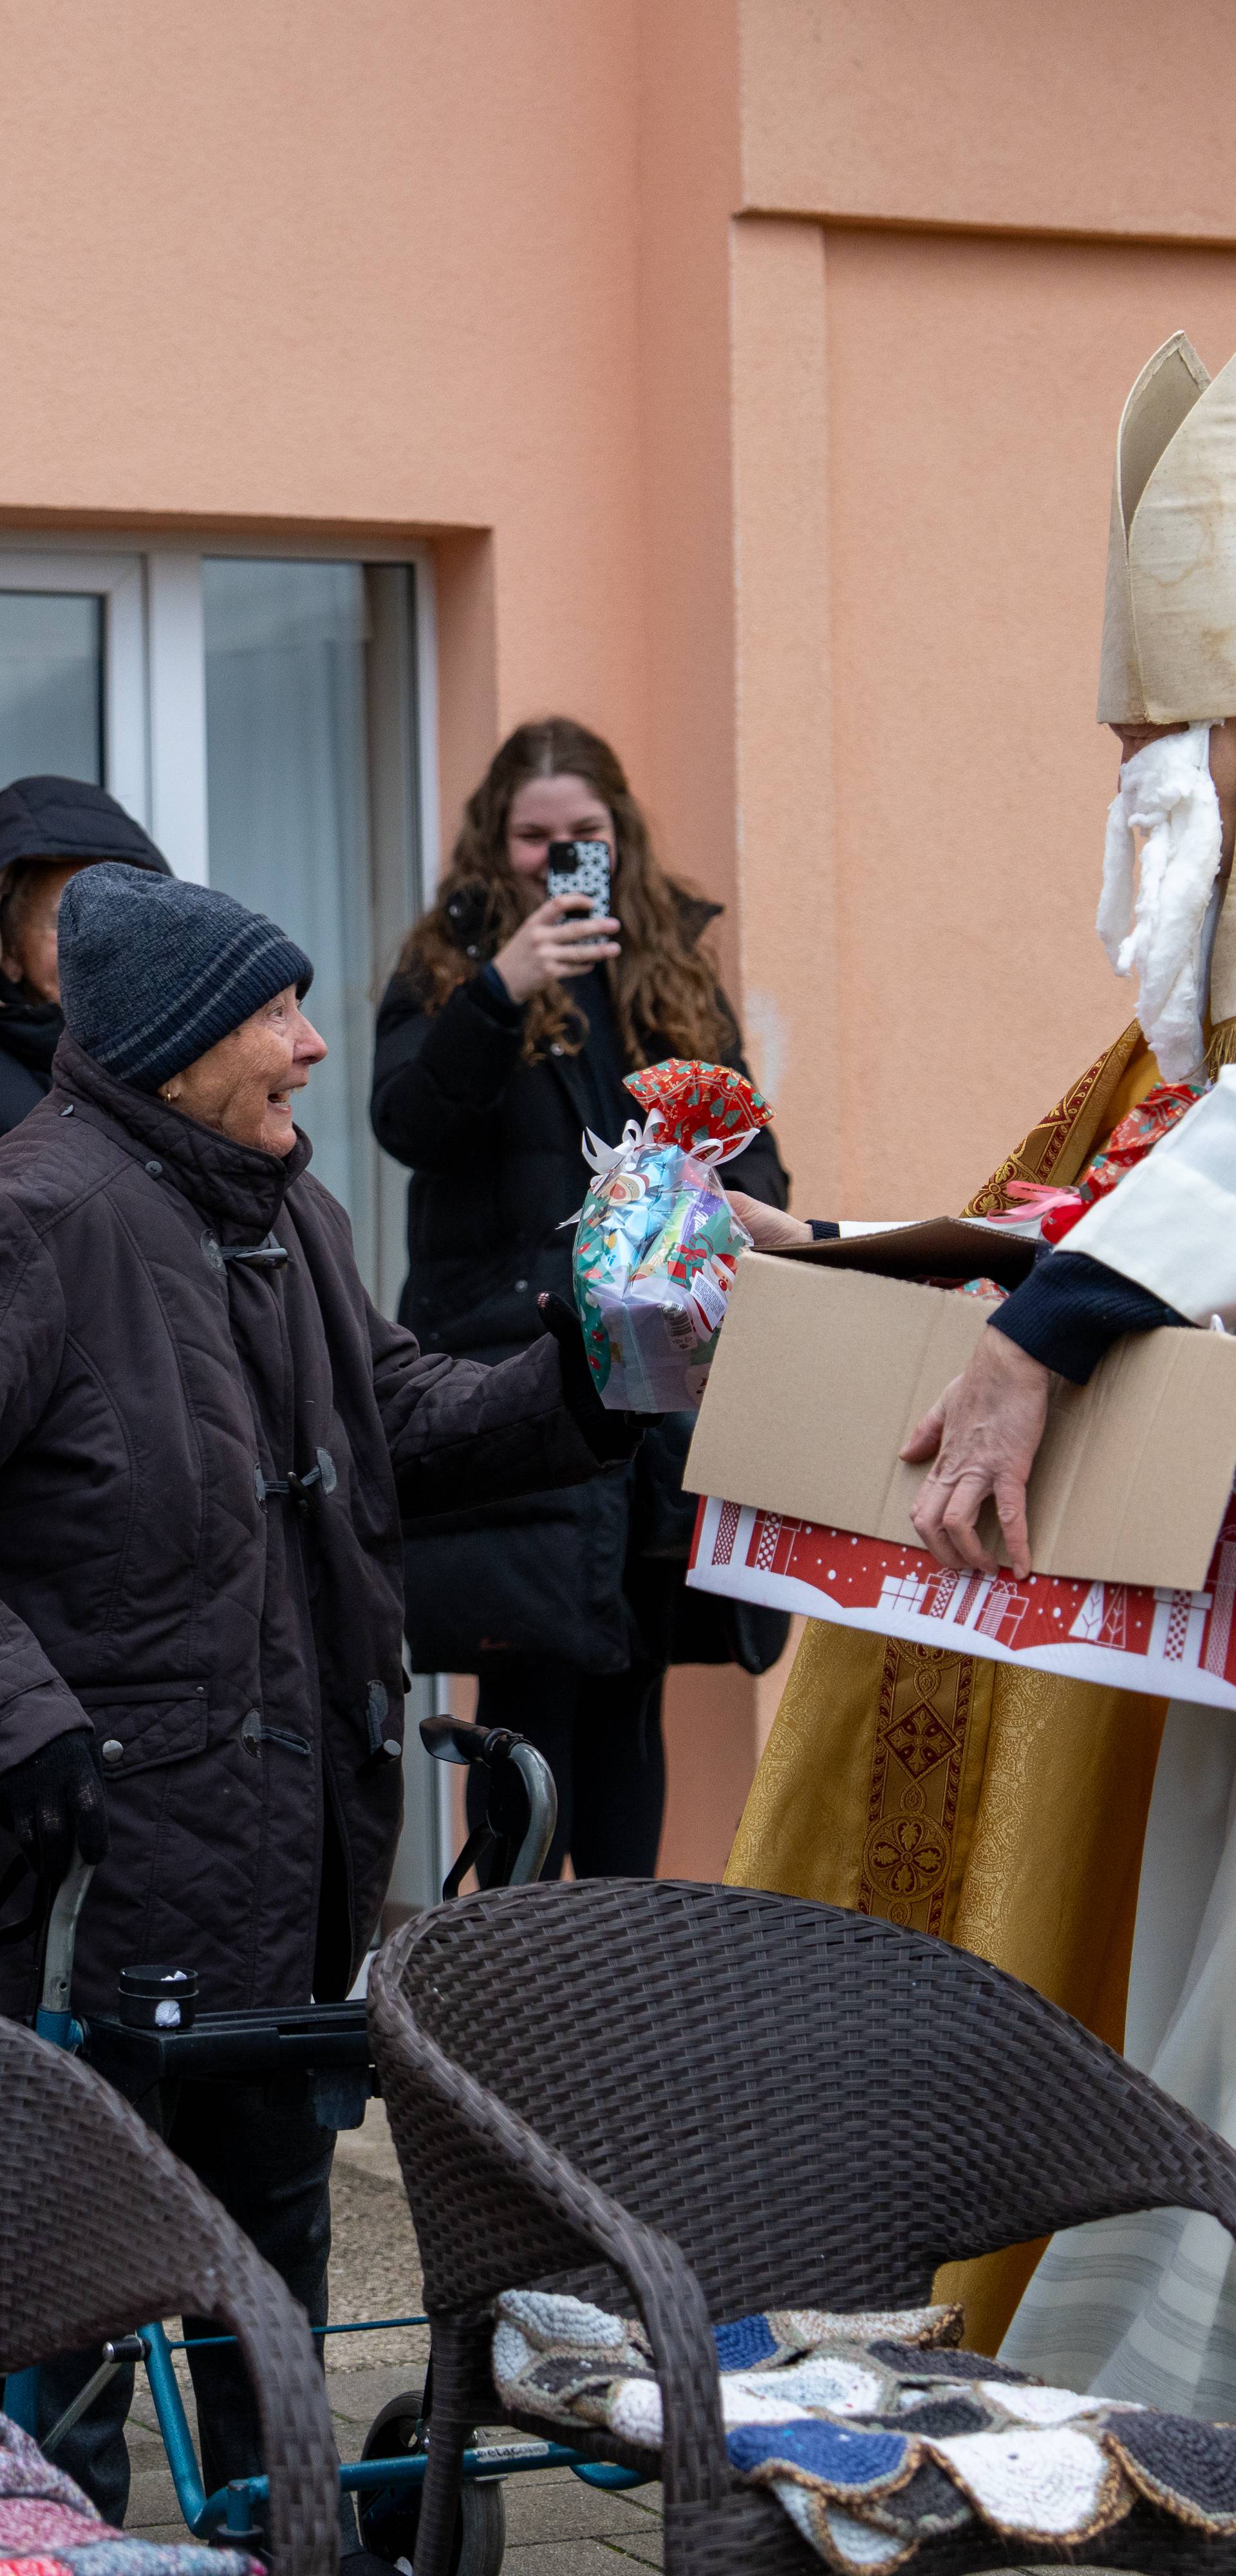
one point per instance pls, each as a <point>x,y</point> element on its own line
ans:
<point>690,2102</point>
<point>102,2229</point>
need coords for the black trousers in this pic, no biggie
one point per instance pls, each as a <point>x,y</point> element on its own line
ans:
<point>601,1736</point>
<point>259,2149</point>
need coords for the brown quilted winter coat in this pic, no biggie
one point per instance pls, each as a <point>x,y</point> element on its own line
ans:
<point>236,1649</point>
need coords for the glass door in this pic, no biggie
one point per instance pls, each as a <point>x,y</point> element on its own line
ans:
<point>51,685</point>
<point>288,817</point>
<point>311,800</point>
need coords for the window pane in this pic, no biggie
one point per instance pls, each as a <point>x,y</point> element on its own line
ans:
<point>288,818</point>
<point>51,685</point>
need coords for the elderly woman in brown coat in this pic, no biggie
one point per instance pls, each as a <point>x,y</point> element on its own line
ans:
<point>208,1438</point>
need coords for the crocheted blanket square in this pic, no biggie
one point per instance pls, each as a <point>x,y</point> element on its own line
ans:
<point>49,2528</point>
<point>874,2432</point>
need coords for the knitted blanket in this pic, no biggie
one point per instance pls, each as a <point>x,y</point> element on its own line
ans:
<point>49,2528</point>
<point>874,2432</point>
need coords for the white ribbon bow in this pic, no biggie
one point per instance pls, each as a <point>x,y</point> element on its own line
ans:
<point>601,1157</point>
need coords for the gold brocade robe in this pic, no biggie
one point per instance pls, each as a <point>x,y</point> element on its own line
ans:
<point>1001,1808</point>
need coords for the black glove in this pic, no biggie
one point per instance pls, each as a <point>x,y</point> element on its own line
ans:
<point>54,1800</point>
<point>612,1437</point>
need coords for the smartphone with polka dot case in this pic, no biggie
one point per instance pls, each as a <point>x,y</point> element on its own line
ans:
<point>580,867</point>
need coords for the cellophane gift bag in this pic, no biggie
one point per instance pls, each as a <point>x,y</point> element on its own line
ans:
<point>657,1242</point>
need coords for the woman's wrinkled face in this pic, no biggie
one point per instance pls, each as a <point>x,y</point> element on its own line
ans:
<point>243,1086</point>
<point>554,809</point>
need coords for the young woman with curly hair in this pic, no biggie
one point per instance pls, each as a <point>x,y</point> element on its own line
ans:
<point>506,1030</point>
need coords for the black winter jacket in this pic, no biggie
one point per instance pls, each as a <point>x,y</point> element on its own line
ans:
<point>30,1032</point>
<point>497,1167</point>
<point>237,1651</point>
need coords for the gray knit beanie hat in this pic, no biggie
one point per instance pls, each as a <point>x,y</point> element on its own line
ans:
<point>154,971</point>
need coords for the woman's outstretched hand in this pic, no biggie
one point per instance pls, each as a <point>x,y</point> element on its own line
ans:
<point>771,1229</point>
<point>983,1435</point>
<point>562,937</point>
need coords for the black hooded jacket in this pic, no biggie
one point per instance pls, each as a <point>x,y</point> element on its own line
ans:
<point>30,1031</point>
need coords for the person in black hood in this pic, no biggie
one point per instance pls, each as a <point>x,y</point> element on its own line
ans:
<point>49,828</point>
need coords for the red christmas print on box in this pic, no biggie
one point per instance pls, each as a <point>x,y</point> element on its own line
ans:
<point>1174,1644</point>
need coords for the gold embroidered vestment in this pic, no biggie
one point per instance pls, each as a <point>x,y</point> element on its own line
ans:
<point>1000,1808</point>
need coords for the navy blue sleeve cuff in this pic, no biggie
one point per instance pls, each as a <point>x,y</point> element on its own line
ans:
<point>823,1229</point>
<point>1071,1309</point>
<point>489,992</point>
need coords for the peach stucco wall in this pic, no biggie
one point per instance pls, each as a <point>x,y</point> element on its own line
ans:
<point>278,262</point>
<point>922,902</point>
<point>1113,117</point>
<point>753,367</point>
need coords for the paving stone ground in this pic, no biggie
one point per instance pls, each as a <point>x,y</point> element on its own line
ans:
<point>556,2526</point>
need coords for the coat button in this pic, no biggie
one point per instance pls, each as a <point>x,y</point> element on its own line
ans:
<point>521,1283</point>
<point>155,1170</point>
<point>113,1750</point>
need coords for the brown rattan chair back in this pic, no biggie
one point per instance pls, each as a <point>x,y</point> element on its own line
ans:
<point>812,2105</point>
<point>103,2230</point>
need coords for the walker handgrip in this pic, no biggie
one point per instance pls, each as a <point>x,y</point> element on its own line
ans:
<point>519,1820</point>
<point>53,2018</point>
<point>459,1739</point>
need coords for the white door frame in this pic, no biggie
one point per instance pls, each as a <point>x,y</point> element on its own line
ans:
<point>154,665</point>
<point>118,580</point>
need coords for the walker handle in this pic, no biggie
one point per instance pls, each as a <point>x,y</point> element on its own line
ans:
<point>538,1780</point>
<point>458,1739</point>
<point>54,2019</point>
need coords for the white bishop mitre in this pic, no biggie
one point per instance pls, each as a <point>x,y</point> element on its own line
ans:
<point>1169,618</point>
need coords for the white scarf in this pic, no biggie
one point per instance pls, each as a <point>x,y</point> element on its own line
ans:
<point>1166,792</point>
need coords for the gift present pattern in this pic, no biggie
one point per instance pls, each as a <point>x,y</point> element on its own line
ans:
<point>657,1243</point>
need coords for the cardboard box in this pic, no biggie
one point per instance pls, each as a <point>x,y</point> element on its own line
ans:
<point>824,1368</point>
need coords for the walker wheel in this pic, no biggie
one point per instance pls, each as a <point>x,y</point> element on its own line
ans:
<point>390,2532</point>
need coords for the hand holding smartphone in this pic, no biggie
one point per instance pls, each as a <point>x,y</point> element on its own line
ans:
<point>548,948</point>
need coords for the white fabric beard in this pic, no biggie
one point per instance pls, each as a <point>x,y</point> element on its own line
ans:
<point>1167,793</point>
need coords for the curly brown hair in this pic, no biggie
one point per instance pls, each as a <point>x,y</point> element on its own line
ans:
<point>664,987</point>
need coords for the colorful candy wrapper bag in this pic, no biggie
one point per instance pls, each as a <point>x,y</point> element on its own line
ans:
<point>657,1243</point>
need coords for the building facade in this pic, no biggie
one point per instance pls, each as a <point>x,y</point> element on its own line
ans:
<point>740,376</point>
